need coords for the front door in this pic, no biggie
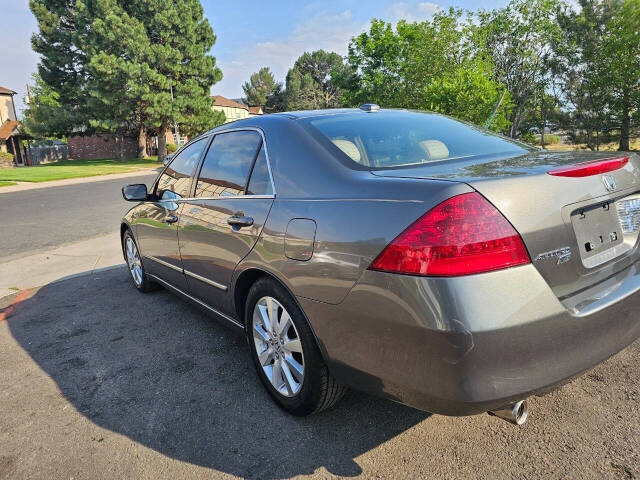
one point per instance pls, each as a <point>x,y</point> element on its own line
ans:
<point>221,224</point>
<point>157,222</point>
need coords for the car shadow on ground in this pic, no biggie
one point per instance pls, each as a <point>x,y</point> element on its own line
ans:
<point>157,370</point>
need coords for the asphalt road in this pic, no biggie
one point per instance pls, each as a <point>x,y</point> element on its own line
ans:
<point>50,217</point>
<point>100,381</point>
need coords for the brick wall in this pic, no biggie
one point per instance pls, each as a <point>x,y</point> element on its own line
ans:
<point>99,146</point>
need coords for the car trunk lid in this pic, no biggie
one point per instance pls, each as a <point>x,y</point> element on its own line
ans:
<point>579,230</point>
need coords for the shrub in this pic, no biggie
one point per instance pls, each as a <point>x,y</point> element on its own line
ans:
<point>6,160</point>
<point>171,148</point>
<point>549,139</point>
<point>529,137</point>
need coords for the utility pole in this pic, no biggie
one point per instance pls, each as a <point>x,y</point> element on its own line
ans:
<point>175,125</point>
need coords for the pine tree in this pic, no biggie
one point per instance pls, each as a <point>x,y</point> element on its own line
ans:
<point>114,62</point>
<point>180,39</point>
<point>62,67</point>
<point>260,87</point>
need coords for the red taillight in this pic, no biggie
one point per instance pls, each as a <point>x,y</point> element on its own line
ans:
<point>590,168</point>
<point>463,235</point>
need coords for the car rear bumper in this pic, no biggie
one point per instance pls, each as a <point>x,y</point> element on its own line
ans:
<point>465,345</point>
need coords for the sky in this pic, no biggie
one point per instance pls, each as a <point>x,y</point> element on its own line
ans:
<point>250,34</point>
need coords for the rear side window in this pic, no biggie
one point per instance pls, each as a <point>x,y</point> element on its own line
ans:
<point>176,179</point>
<point>388,139</point>
<point>227,164</point>
<point>260,182</point>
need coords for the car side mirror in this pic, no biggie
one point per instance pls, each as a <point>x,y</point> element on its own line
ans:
<point>136,192</point>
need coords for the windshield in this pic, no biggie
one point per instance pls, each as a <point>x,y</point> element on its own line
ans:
<point>396,138</point>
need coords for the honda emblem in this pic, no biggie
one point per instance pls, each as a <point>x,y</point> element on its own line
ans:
<point>609,183</point>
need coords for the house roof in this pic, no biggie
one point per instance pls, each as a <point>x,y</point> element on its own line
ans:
<point>225,102</point>
<point>256,110</point>
<point>6,91</point>
<point>8,128</point>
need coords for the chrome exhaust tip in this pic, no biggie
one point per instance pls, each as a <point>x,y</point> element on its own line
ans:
<point>515,413</point>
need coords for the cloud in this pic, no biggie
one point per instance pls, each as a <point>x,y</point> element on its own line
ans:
<point>323,30</point>
<point>327,31</point>
<point>411,12</point>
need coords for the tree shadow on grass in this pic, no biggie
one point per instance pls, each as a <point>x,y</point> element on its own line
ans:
<point>157,370</point>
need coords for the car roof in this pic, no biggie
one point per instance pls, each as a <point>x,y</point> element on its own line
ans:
<point>316,113</point>
<point>260,120</point>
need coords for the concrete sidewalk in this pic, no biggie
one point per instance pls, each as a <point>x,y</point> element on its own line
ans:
<point>61,262</point>
<point>73,181</point>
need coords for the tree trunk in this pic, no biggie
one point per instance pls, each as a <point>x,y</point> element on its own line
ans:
<point>512,129</point>
<point>598,139</point>
<point>589,140</point>
<point>142,142</point>
<point>120,150</point>
<point>162,141</point>
<point>624,129</point>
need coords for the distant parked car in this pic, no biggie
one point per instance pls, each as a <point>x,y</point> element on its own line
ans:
<point>400,253</point>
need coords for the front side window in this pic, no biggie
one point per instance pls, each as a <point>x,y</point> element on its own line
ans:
<point>176,179</point>
<point>394,138</point>
<point>227,164</point>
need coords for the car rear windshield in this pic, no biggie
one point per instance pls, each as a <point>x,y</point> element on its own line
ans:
<point>389,139</point>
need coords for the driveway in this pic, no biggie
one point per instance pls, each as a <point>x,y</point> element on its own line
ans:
<point>100,381</point>
<point>37,220</point>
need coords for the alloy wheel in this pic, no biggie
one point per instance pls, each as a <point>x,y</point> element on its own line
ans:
<point>278,346</point>
<point>133,261</point>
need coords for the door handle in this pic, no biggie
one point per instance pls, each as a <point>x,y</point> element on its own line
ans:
<point>240,222</point>
<point>171,219</point>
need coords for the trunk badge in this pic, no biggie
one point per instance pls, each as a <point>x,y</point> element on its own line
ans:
<point>562,255</point>
<point>609,183</point>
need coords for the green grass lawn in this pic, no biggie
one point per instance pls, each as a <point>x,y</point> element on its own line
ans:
<point>5,184</point>
<point>73,169</point>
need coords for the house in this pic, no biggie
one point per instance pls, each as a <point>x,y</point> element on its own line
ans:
<point>234,110</point>
<point>10,136</point>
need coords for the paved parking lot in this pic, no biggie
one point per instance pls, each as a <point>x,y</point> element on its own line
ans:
<point>99,381</point>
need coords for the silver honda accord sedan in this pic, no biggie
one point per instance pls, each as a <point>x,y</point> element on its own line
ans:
<point>403,254</point>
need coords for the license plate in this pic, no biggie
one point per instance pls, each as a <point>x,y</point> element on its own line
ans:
<point>597,229</point>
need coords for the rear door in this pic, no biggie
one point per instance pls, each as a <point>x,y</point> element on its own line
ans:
<point>156,223</point>
<point>220,225</point>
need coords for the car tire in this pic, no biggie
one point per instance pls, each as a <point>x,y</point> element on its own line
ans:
<point>137,272</point>
<point>278,361</point>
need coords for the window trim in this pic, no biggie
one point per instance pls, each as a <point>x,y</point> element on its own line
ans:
<point>253,166</point>
<point>263,143</point>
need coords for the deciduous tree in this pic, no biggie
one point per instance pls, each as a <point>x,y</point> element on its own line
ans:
<point>620,61</point>
<point>518,39</point>
<point>45,117</point>
<point>311,82</point>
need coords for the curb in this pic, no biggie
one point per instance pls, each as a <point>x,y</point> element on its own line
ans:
<point>74,181</point>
